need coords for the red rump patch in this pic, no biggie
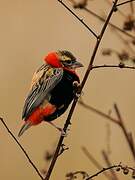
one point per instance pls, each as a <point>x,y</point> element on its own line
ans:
<point>53,59</point>
<point>37,116</point>
<point>48,110</point>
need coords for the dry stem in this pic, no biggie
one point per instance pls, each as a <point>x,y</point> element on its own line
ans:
<point>21,147</point>
<point>81,87</point>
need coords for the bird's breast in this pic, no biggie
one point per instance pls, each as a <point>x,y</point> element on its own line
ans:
<point>63,92</point>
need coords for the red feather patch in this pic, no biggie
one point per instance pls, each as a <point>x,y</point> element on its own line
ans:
<point>53,59</point>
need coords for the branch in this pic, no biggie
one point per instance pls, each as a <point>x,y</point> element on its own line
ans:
<point>101,171</point>
<point>110,24</point>
<point>121,123</point>
<point>81,102</point>
<point>67,123</point>
<point>124,3</point>
<point>121,66</point>
<point>94,161</point>
<point>118,122</point>
<point>79,19</point>
<point>21,147</point>
<point>118,167</point>
<point>103,20</point>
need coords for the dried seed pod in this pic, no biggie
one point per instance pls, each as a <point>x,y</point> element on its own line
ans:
<point>129,24</point>
<point>126,171</point>
<point>48,156</point>
<point>106,52</point>
<point>123,56</point>
<point>118,169</point>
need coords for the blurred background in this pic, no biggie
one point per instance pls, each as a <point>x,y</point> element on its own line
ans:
<point>28,31</point>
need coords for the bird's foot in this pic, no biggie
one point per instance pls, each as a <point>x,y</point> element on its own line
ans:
<point>76,84</point>
<point>77,89</point>
<point>63,133</point>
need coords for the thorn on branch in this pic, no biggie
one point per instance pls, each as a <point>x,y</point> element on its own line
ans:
<point>63,148</point>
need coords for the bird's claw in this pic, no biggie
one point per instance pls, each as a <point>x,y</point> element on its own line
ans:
<point>77,89</point>
<point>76,84</point>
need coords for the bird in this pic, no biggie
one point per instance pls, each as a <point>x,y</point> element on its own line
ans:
<point>51,90</point>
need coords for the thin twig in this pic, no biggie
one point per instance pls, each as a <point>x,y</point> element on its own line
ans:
<point>94,161</point>
<point>124,2</point>
<point>121,123</point>
<point>101,171</point>
<point>118,122</point>
<point>103,20</point>
<point>81,87</point>
<point>113,66</point>
<point>79,19</point>
<point>111,24</point>
<point>118,167</point>
<point>81,102</point>
<point>21,147</point>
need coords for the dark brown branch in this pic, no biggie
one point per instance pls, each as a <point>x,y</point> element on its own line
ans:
<point>21,147</point>
<point>118,167</point>
<point>94,161</point>
<point>79,19</point>
<point>121,123</point>
<point>118,10</point>
<point>125,2</point>
<point>121,66</point>
<point>80,89</point>
<point>101,171</point>
<point>97,45</point>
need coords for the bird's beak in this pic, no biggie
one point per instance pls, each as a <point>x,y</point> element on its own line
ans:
<point>26,126</point>
<point>77,64</point>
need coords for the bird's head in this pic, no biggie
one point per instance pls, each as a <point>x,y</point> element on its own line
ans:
<point>63,59</point>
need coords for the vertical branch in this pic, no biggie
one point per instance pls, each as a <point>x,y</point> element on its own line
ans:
<point>99,38</point>
<point>121,123</point>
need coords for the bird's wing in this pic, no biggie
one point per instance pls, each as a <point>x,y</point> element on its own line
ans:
<point>44,80</point>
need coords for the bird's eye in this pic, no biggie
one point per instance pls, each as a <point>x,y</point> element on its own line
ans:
<point>68,62</point>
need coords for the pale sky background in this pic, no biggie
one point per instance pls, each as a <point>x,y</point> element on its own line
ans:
<point>28,31</point>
